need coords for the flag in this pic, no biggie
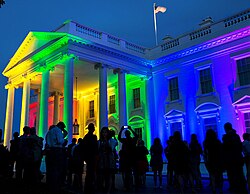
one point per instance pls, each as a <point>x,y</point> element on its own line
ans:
<point>160,9</point>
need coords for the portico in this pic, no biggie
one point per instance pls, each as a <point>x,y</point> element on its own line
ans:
<point>52,75</point>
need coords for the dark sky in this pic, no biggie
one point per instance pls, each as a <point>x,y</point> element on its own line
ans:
<point>128,19</point>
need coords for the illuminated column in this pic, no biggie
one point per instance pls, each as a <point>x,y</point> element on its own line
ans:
<point>44,104</point>
<point>56,107</point>
<point>38,108</point>
<point>122,97</point>
<point>25,105</point>
<point>9,116</point>
<point>149,110</point>
<point>103,99</point>
<point>81,117</point>
<point>68,96</point>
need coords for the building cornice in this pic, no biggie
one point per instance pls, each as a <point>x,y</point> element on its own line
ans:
<point>60,43</point>
<point>230,37</point>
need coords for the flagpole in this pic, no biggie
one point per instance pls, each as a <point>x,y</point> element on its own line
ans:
<point>155,26</point>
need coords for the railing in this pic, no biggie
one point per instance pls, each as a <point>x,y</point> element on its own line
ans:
<point>113,40</point>
<point>211,30</point>
<point>200,33</point>
<point>170,44</point>
<point>88,31</point>
<point>237,18</point>
<point>109,38</point>
<point>189,39</point>
<point>135,48</point>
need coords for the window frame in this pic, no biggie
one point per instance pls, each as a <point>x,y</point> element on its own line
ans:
<point>171,90</point>
<point>137,98</point>
<point>240,75</point>
<point>204,82</point>
<point>91,109</point>
<point>112,108</point>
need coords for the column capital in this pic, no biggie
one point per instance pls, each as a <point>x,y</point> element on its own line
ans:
<point>44,67</point>
<point>11,85</point>
<point>147,77</point>
<point>101,65</point>
<point>67,55</point>
<point>119,71</point>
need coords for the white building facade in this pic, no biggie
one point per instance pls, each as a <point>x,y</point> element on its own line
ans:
<point>79,75</point>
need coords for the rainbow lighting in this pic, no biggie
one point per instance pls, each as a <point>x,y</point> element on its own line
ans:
<point>194,82</point>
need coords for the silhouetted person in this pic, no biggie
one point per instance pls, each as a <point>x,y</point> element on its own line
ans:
<point>246,151</point>
<point>14,149</point>
<point>55,143</point>
<point>127,155</point>
<point>233,159</point>
<point>24,156</point>
<point>195,153</point>
<point>36,146</point>
<point>70,160</point>
<point>78,164</point>
<point>114,143</point>
<point>90,155</point>
<point>156,161</point>
<point>213,158</point>
<point>106,160</point>
<point>141,163</point>
<point>170,169</point>
<point>4,161</point>
<point>181,158</point>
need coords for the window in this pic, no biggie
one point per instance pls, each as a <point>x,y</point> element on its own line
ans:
<point>112,104</point>
<point>174,89</point>
<point>137,100</point>
<point>91,109</point>
<point>138,131</point>
<point>206,81</point>
<point>247,121</point>
<point>176,127</point>
<point>243,66</point>
<point>210,123</point>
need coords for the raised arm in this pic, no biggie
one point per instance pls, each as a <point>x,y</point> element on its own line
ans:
<point>134,133</point>
<point>120,134</point>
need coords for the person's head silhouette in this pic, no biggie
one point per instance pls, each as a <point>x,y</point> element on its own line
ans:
<point>91,127</point>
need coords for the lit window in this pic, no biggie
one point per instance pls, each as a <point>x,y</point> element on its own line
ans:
<point>138,131</point>
<point>137,99</point>
<point>91,109</point>
<point>210,123</point>
<point>247,121</point>
<point>174,89</point>
<point>112,104</point>
<point>243,66</point>
<point>206,81</point>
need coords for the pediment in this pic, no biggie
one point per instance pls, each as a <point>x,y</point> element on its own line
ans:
<point>173,113</point>
<point>32,43</point>
<point>206,107</point>
<point>113,120</point>
<point>242,101</point>
<point>136,119</point>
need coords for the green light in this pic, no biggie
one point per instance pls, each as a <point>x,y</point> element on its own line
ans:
<point>43,115</point>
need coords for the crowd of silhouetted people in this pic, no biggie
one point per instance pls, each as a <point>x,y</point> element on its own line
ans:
<point>65,162</point>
